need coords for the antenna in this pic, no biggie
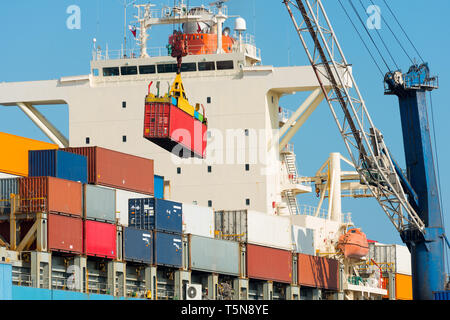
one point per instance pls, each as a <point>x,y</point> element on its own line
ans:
<point>218,4</point>
<point>125,6</point>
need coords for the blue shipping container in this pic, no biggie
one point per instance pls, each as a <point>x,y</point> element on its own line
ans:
<point>7,186</point>
<point>5,281</point>
<point>442,295</point>
<point>138,245</point>
<point>159,187</point>
<point>58,164</point>
<point>155,214</point>
<point>168,250</point>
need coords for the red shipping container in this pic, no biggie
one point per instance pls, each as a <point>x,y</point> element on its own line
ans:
<point>100,239</point>
<point>65,233</point>
<point>168,126</point>
<point>318,272</point>
<point>50,195</point>
<point>269,264</point>
<point>118,170</point>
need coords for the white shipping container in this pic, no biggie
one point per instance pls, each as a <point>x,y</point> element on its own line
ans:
<point>269,230</point>
<point>122,197</point>
<point>7,176</point>
<point>198,220</point>
<point>393,256</point>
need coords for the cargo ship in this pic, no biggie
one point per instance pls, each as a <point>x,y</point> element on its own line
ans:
<point>107,213</point>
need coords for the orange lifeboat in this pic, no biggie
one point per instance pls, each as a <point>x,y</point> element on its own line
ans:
<point>353,244</point>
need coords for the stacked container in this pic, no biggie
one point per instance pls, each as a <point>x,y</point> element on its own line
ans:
<point>164,219</point>
<point>8,186</point>
<point>317,272</point>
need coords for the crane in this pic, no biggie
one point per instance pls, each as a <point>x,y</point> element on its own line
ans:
<point>410,201</point>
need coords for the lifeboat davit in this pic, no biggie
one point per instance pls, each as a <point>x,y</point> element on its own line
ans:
<point>353,244</point>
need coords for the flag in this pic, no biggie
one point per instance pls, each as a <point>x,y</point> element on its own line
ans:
<point>133,30</point>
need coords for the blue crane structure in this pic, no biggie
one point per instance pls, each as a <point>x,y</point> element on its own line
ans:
<point>411,201</point>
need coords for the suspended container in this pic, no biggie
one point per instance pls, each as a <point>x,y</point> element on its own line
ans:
<point>58,164</point>
<point>99,203</point>
<point>271,264</point>
<point>318,272</point>
<point>214,255</point>
<point>168,249</point>
<point>100,239</point>
<point>158,214</point>
<point>117,170</point>
<point>65,234</point>
<point>7,187</point>
<point>50,195</point>
<point>138,245</point>
<point>198,220</point>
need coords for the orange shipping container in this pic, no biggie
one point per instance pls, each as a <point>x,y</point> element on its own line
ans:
<point>318,272</point>
<point>14,159</point>
<point>403,287</point>
<point>269,263</point>
<point>65,233</point>
<point>51,195</point>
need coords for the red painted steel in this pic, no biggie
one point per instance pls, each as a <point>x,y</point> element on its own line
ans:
<point>65,233</point>
<point>100,239</point>
<point>318,272</point>
<point>118,170</point>
<point>169,126</point>
<point>50,195</point>
<point>269,264</point>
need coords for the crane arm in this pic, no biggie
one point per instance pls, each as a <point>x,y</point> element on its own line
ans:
<point>363,141</point>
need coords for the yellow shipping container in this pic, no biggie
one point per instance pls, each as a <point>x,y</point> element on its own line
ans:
<point>14,153</point>
<point>403,287</point>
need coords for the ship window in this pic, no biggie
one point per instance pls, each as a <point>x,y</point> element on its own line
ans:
<point>247,167</point>
<point>167,68</point>
<point>147,69</point>
<point>225,65</point>
<point>209,203</point>
<point>208,100</point>
<point>247,202</point>
<point>246,132</point>
<point>124,104</point>
<point>178,170</point>
<point>124,138</point>
<point>209,168</point>
<point>128,70</point>
<point>88,140</point>
<point>188,67</point>
<point>206,66</point>
<point>95,72</point>
<point>114,71</point>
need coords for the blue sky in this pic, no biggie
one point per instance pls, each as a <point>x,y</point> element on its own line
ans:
<point>37,45</point>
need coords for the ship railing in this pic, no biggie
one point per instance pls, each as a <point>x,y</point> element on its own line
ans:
<point>27,280</point>
<point>308,210</point>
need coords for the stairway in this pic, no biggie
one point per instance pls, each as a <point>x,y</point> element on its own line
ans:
<point>291,167</point>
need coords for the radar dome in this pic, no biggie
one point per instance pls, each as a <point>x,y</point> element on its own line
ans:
<point>240,24</point>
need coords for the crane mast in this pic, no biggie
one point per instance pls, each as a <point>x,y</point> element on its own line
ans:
<point>365,143</point>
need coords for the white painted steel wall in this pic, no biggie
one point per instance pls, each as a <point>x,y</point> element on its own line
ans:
<point>269,230</point>
<point>198,220</point>
<point>303,240</point>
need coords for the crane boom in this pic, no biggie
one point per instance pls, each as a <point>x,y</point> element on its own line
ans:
<point>363,141</point>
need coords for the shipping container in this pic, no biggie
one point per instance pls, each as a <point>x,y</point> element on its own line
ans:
<point>198,220</point>
<point>99,203</point>
<point>138,245</point>
<point>318,272</point>
<point>8,186</point>
<point>403,287</point>
<point>5,281</point>
<point>269,264</point>
<point>15,160</point>
<point>303,239</point>
<point>254,227</point>
<point>391,257</point>
<point>122,197</point>
<point>214,255</point>
<point>58,164</point>
<point>50,195</point>
<point>65,234</point>
<point>118,170</point>
<point>441,295</point>
<point>159,187</point>
<point>158,214</point>
<point>100,239</point>
<point>168,249</point>
<point>174,130</point>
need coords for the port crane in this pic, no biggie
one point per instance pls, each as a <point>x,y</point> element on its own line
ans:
<point>411,201</point>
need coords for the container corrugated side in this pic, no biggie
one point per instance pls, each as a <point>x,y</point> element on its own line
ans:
<point>7,187</point>
<point>391,257</point>
<point>231,225</point>
<point>214,255</point>
<point>100,239</point>
<point>5,281</point>
<point>441,295</point>
<point>16,161</point>
<point>118,170</point>
<point>65,234</point>
<point>269,264</point>
<point>198,220</point>
<point>168,249</point>
<point>122,198</point>
<point>138,245</point>
<point>51,195</point>
<point>99,203</point>
<point>303,239</point>
<point>318,272</point>
<point>58,164</point>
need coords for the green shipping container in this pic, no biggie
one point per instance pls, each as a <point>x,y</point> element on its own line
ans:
<point>99,203</point>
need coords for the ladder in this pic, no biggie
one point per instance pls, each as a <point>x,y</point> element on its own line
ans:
<point>291,168</point>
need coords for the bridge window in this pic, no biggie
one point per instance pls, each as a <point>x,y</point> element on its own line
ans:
<point>114,71</point>
<point>206,66</point>
<point>167,68</point>
<point>188,67</point>
<point>131,70</point>
<point>150,69</point>
<point>225,65</point>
